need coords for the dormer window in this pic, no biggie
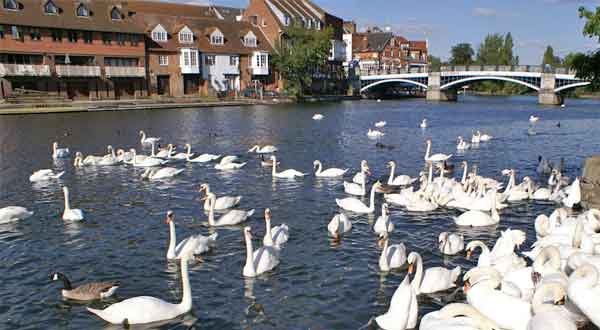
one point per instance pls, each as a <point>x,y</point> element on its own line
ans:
<point>250,40</point>
<point>11,4</point>
<point>186,36</point>
<point>216,38</point>
<point>159,34</point>
<point>287,20</point>
<point>50,8</point>
<point>115,14</point>
<point>83,11</point>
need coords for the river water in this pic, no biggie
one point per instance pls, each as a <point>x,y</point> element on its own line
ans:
<point>317,285</point>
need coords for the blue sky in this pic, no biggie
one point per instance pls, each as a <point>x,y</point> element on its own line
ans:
<point>533,23</point>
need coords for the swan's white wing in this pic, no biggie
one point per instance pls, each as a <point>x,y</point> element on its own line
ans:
<point>137,310</point>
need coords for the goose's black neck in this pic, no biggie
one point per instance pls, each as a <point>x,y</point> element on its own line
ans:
<point>65,280</point>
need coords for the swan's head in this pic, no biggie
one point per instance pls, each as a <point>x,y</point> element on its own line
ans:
<point>383,237</point>
<point>505,172</point>
<point>443,237</point>
<point>203,187</point>
<point>273,158</point>
<point>248,233</point>
<point>428,142</point>
<point>391,164</point>
<point>253,148</point>
<point>542,224</point>
<point>170,217</point>
<point>489,275</point>
<point>65,190</point>
<point>385,207</point>
<point>267,214</point>
<point>412,258</point>
<point>316,163</point>
<point>54,145</point>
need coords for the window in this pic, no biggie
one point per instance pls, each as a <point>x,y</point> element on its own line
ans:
<point>264,23</point>
<point>209,60</point>
<point>50,8</point>
<point>186,58</point>
<point>83,11</point>
<point>261,61</point>
<point>120,61</point>
<point>115,14</point>
<point>193,58</point>
<point>250,40</point>
<point>56,35</point>
<point>216,38</point>
<point>254,20</point>
<point>135,39</point>
<point>16,32</point>
<point>234,60</point>
<point>88,37</point>
<point>106,38</point>
<point>35,34</point>
<point>318,25</point>
<point>11,4</point>
<point>73,36</point>
<point>159,34</point>
<point>1,31</point>
<point>163,60</point>
<point>121,38</point>
<point>186,36</point>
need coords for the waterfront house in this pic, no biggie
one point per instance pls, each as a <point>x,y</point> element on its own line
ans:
<point>75,49</point>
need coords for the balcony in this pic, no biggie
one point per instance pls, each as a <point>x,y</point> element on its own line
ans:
<point>124,71</point>
<point>21,70</point>
<point>259,71</point>
<point>77,71</point>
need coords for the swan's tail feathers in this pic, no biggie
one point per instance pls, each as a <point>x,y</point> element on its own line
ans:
<point>213,238</point>
<point>338,202</point>
<point>455,273</point>
<point>250,213</point>
<point>284,227</point>
<point>59,174</point>
<point>97,312</point>
<point>518,236</point>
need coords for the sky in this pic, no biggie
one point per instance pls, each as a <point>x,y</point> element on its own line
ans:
<point>534,24</point>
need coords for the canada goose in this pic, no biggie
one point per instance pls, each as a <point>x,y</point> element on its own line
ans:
<point>88,291</point>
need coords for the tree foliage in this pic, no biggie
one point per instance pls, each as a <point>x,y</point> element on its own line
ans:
<point>588,65</point>
<point>550,58</point>
<point>299,54</point>
<point>435,63</point>
<point>496,49</point>
<point>462,54</point>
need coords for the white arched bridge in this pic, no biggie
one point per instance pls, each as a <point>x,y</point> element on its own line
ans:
<point>443,84</point>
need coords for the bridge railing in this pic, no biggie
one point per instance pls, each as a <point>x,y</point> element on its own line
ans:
<point>467,68</point>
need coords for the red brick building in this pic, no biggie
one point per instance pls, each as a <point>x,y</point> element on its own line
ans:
<point>77,49</point>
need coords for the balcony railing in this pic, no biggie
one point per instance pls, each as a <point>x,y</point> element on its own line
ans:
<point>31,70</point>
<point>77,71</point>
<point>124,71</point>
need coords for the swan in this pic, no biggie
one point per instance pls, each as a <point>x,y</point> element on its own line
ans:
<point>403,311</point>
<point>229,166</point>
<point>361,176</point>
<point>13,213</point>
<point>45,175</point>
<point>204,158</point>
<point>109,160</point>
<point>373,133</point>
<point>503,264</point>
<point>197,243</point>
<point>380,124</point>
<point>260,261</point>
<point>70,214</point>
<point>145,309</point>
<point>164,153</point>
<point>573,194</point>
<point>354,205</point>
<point>435,279</point>
<point>59,152</point>
<point>148,140</point>
<point>584,292</point>
<point>462,144</point>
<point>533,119</point>
<point>87,291</point>
<point>339,224</point>
<point>266,162</point>
<point>287,174</point>
<point>182,156</point>
<point>476,218</point>
<point>476,138</point>
<point>451,243</point>
<point>420,203</point>
<point>550,316</point>
<point>544,166</point>
<point>400,180</point>
<point>161,173</point>
<point>392,256</point>
<point>435,157</point>
<point>78,162</point>
<point>125,157</point>
<point>231,218</point>
<point>446,319</point>
<point>268,149</point>
<point>355,189</point>
<point>328,173</point>
<point>384,223</point>
<point>146,161</point>
<point>318,116</point>
<point>485,137</point>
<point>508,311</point>
<point>423,123</point>
<point>221,203</point>
<point>276,236</point>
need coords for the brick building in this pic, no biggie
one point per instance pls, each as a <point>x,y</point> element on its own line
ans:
<point>77,49</point>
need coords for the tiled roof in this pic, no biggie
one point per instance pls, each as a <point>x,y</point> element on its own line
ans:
<point>418,44</point>
<point>32,14</point>
<point>228,13</point>
<point>298,9</point>
<point>171,9</point>
<point>375,41</point>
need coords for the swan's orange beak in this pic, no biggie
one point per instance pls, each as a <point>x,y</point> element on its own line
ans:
<point>469,253</point>
<point>466,286</point>
<point>410,268</point>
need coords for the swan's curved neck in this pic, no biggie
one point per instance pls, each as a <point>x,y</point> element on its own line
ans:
<point>211,210</point>
<point>143,137</point>
<point>430,175</point>
<point>428,151</point>
<point>372,201</point>
<point>416,282</point>
<point>268,234</point>
<point>186,301</point>
<point>153,150</point>
<point>54,147</point>
<point>464,176</point>
<point>67,203</point>
<point>383,256</point>
<point>494,211</point>
<point>274,170</point>
<point>172,241</point>
<point>550,255</point>
<point>392,173</point>
<point>319,168</point>
<point>249,256</point>
<point>543,291</point>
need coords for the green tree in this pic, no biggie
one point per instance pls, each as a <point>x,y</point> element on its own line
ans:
<point>588,65</point>
<point>507,57</point>
<point>569,59</point>
<point>490,52</point>
<point>299,54</point>
<point>462,54</point>
<point>550,58</point>
<point>435,63</point>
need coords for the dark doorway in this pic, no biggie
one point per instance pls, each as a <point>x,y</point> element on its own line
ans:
<point>162,85</point>
<point>191,84</point>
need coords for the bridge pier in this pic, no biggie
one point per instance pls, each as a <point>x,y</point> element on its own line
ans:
<point>547,95</point>
<point>435,93</point>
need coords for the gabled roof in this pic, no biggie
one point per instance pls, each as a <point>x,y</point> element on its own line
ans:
<point>418,44</point>
<point>375,41</point>
<point>301,10</point>
<point>227,13</point>
<point>32,14</point>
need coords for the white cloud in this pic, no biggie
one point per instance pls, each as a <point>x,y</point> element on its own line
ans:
<point>484,12</point>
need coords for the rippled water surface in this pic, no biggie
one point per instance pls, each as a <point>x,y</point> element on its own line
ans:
<point>317,285</point>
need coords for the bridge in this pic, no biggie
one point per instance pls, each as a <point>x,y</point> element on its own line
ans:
<point>443,85</point>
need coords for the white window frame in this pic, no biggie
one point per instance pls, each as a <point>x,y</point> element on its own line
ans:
<point>50,4</point>
<point>163,60</point>
<point>112,10</point>
<point>159,34</point>
<point>210,60</point>
<point>13,2</point>
<point>87,10</point>
<point>217,38</point>
<point>250,40</point>
<point>234,60</point>
<point>186,36</point>
<point>193,58</point>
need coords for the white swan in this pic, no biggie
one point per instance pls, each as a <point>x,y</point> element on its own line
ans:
<point>451,243</point>
<point>384,223</point>
<point>328,173</point>
<point>373,133</point>
<point>403,311</point>
<point>229,166</point>
<point>457,316</point>
<point>148,140</point>
<point>260,261</point>
<point>435,279</point>
<point>146,161</point>
<point>392,256</point>
<point>163,153</point>
<point>145,309</point>
<point>161,173</point>
<point>380,124</point>
<point>318,116</point>
<point>354,205</point>
<point>89,160</point>
<point>400,180</point>
<point>423,123</point>
<point>70,214</point>
<point>573,194</point>
<point>476,218</point>
<point>45,175</point>
<point>182,155</point>
<point>339,224</point>
<point>584,291</point>
<point>110,159</point>
<point>13,213</point>
<point>435,157</point>
<point>533,119</point>
<point>485,137</point>
<point>462,144</point>
<point>361,176</point>
<point>59,152</point>
<point>476,138</point>
<point>544,166</point>
<point>204,158</point>
<point>550,316</point>
<point>268,149</point>
<point>231,218</point>
<point>287,174</point>
<point>276,236</point>
<point>503,264</point>
<point>221,203</point>
<point>197,243</point>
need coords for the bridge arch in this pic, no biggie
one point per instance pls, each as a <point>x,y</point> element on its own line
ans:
<point>575,85</point>
<point>478,78</point>
<point>408,81</point>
